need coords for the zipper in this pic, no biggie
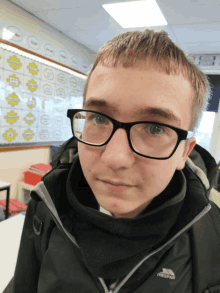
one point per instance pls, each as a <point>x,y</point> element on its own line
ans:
<point>205,211</point>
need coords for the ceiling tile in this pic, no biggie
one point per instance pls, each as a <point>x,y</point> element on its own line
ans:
<point>190,11</point>
<point>197,33</point>
<point>202,47</point>
<point>68,19</point>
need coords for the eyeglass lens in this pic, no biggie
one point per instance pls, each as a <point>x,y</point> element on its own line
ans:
<point>148,139</point>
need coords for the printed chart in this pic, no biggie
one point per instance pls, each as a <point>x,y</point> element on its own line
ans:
<point>34,98</point>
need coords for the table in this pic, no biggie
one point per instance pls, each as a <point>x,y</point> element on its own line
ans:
<point>6,186</point>
<point>10,231</point>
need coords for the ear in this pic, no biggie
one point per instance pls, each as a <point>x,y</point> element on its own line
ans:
<point>191,142</point>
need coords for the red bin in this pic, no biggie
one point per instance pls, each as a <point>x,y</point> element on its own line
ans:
<point>31,178</point>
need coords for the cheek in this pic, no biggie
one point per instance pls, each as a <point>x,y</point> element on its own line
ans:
<point>166,172</point>
<point>88,157</point>
<point>157,174</point>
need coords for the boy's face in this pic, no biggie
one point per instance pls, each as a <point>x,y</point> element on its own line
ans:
<point>131,89</point>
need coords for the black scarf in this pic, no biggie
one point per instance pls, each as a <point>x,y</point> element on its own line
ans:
<point>110,246</point>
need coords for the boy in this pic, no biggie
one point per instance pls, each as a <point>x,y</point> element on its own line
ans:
<point>126,195</point>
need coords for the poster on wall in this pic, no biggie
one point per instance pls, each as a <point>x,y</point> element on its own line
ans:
<point>34,98</point>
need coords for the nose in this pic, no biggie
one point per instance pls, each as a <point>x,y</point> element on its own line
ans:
<point>117,152</point>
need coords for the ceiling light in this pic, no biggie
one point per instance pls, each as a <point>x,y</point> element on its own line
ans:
<point>136,13</point>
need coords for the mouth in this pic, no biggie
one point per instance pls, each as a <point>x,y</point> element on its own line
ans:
<point>116,187</point>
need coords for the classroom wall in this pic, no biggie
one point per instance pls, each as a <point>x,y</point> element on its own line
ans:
<point>14,163</point>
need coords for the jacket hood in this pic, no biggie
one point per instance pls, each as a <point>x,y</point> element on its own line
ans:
<point>201,162</point>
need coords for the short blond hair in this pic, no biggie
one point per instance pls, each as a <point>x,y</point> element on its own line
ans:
<point>128,49</point>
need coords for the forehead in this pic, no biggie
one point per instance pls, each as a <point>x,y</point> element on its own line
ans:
<point>140,91</point>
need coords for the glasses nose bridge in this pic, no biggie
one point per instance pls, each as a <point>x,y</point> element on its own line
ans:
<point>123,125</point>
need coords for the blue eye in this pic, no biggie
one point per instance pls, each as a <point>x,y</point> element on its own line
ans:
<point>159,129</point>
<point>99,119</point>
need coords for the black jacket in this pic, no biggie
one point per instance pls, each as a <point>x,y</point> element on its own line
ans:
<point>178,264</point>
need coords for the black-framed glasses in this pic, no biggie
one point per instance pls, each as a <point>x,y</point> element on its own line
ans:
<point>146,138</point>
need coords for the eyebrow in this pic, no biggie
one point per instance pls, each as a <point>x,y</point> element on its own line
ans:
<point>152,111</point>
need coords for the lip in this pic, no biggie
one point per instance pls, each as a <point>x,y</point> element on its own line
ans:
<point>116,187</point>
<point>119,183</point>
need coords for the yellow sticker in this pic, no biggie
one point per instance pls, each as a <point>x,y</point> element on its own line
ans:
<point>32,85</point>
<point>29,119</point>
<point>13,99</point>
<point>13,81</point>
<point>10,134</point>
<point>11,117</point>
<point>31,103</point>
<point>14,62</point>
<point>33,68</point>
<point>28,134</point>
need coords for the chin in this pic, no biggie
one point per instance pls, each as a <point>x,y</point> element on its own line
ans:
<point>118,209</point>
